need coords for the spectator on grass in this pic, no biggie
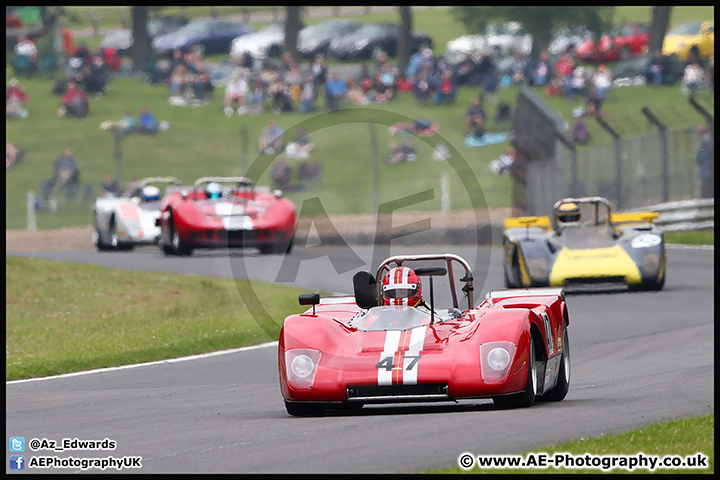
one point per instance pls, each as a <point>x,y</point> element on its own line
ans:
<point>386,82</point>
<point>13,155</point>
<point>402,153</point>
<point>308,95</point>
<point>654,70</point>
<point>179,82</point>
<point>578,83</point>
<point>127,124</point>
<point>271,140</point>
<point>26,55</point>
<point>92,78</point>
<point>355,95</point>
<point>520,69</point>
<point>422,89</point>
<point>475,116</point>
<point>602,82</point>
<point>236,92</point>
<point>318,69</point>
<point>693,78</point>
<point>279,95</point>
<point>564,69</point>
<point>202,87</point>
<point>16,100</point>
<point>110,186</point>
<point>335,90</point>
<point>74,102</point>
<point>364,79</point>
<point>302,146</point>
<point>293,79</point>
<point>66,175</point>
<point>147,123</point>
<point>542,72</point>
<point>445,91</point>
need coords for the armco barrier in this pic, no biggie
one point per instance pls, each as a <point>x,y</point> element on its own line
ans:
<point>685,215</point>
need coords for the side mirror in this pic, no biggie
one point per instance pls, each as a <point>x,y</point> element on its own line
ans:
<point>431,271</point>
<point>364,287</point>
<point>309,299</point>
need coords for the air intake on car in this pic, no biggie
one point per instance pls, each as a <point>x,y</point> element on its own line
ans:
<point>398,393</point>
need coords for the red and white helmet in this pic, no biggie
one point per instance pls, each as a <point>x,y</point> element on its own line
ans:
<point>401,287</point>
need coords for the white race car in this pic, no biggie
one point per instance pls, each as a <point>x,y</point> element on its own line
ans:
<point>123,222</point>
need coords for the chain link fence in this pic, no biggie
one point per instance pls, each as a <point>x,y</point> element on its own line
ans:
<point>643,179</point>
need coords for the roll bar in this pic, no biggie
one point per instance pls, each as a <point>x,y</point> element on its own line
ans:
<point>149,180</point>
<point>449,258</point>
<point>595,201</point>
<point>202,180</point>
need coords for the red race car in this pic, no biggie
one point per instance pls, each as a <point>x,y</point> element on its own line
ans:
<point>388,344</point>
<point>620,43</point>
<point>226,212</point>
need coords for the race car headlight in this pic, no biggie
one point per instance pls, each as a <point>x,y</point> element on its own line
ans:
<point>646,240</point>
<point>498,359</point>
<point>301,365</point>
<point>495,358</point>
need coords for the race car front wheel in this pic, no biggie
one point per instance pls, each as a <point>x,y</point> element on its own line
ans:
<point>563,382</point>
<point>178,246</point>
<point>526,398</point>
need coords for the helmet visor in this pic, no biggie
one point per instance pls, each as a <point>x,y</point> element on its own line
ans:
<point>399,291</point>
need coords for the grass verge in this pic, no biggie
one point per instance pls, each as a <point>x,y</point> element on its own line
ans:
<point>701,237</point>
<point>64,317</point>
<point>685,437</point>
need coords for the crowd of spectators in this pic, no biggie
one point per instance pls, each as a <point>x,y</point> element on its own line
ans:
<point>284,86</point>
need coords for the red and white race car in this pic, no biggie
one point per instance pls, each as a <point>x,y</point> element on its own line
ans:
<point>385,344</point>
<point>226,212</point>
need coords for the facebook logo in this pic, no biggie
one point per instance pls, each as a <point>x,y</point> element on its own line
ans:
<point>17,444</point>
<point>17,462</point>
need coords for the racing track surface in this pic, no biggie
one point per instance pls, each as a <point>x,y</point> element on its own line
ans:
<point>637,358</point>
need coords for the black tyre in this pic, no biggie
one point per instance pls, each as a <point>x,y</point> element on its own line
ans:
<point>526,398</point>
<point>179,247</point>
<point>305,409</point>
<point>114,241</point>
<point>563,383</point>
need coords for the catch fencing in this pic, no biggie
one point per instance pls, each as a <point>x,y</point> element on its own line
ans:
<point>655,167</point>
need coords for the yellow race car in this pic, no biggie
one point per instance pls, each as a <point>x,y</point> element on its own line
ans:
<point>587,247</point>
<point>686,36</point>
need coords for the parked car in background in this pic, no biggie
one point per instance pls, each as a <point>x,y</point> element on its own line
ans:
<point>122,40</point>
<point>620,43</point>
<point>211,34</point>
<point>316,38</point>
<point>566,39</point>
<point>372,38</point>
<point>264,43</point>
<point>499,39</point>
<point>681,38</point>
